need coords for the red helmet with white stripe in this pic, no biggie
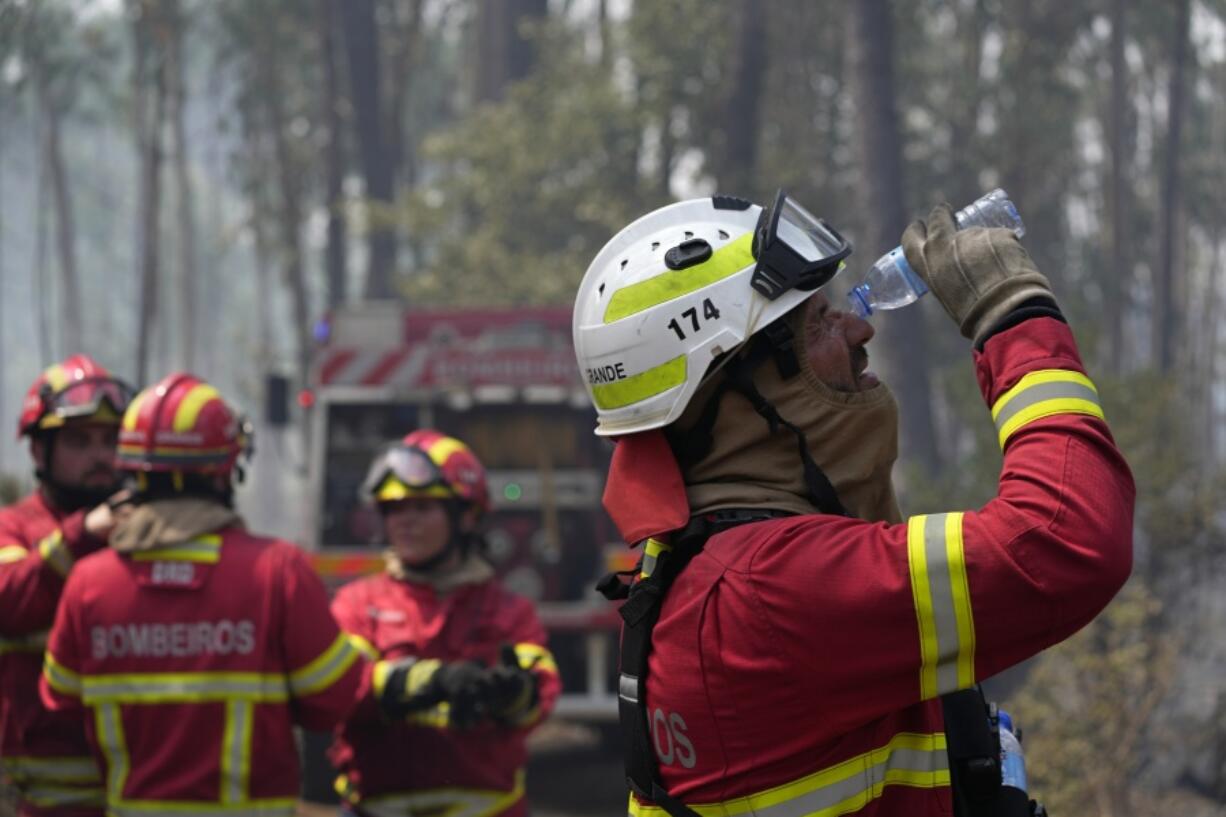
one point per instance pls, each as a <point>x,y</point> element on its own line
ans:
<point>181,424</point>
<point>428,463</point>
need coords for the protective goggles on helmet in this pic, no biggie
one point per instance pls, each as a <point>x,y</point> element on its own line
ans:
<point>794,249</point>
<point>85,398</point>
<point>402,473</point>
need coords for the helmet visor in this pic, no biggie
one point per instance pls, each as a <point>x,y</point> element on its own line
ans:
<point>794,249</point>
<point>104,397</point>
<point>410,467</point>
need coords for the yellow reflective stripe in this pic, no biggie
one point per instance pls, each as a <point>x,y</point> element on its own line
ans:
<point>50,796</point>
<point>57,377</point>
<point>443,448</point>
<point>1042,394</point>
<point>262,807</point>
<point>363,646</point>
<point>61,679</point>
<point>33,643</point>
<point>190,406</point>
<point>436,717</point>
<point>534,656</point>
<point>325,669</point>
<point>651,552</point>
<point>941,593</point>
<point>909,759</point>
<point>54,551</point>
<point>108,729</point>
<point>378,678</point>
<point>452,802</point>
<point>236,751</point>
<point>12,553</point>
<point>203,549</point>
<point>728,260</point>
<point>184,687</point>
<point>641,386</point>
<point>133,411</point>
<point>68,769</point>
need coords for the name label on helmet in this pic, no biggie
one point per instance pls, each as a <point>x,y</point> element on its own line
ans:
<point>606,374</point>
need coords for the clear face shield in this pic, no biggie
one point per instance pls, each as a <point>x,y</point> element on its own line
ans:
<point>794,249</point>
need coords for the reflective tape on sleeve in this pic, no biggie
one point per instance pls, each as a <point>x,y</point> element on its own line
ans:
<point>936,559</point>
<point>535,657</point>
<point>728,260</point>
<point>183,687</point>
<point>641,386</point>
<point>1043,394</point>
<point>54,551</point>
<point>325,669</point>
<point>61,679</point>
<point>363,646</point>
<point>12,553</point>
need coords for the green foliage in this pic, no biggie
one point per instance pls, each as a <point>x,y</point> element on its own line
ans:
<point>528,190</point>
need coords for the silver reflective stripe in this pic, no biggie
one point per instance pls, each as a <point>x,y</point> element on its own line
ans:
<point>942,604</point>
<point>909,759</point>
<point>34,642</point>
<point>649,564</point>
<point>57,769</point>
<point>343,654</point>
<point>235,751</point>
<point>1041,392</point>
<point>453,802</point>
<point>109,730</point>
<point>46,795</point>
<point>861,786</point>
<point>188,808</point>
<point>169,688</point>
<point>628,688</point>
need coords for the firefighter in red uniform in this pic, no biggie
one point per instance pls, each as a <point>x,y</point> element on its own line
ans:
<point>463,673</point>
<point>810,635</point>
<point>71,415</point>
<point>194,646</point>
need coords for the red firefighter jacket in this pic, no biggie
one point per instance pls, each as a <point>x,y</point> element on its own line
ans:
<point>424,763</point>
<point>195,661</point>
<point>43,753</point>
<point>797,662</point>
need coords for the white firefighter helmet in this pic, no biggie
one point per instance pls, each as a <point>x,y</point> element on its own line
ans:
<point>683,285</point>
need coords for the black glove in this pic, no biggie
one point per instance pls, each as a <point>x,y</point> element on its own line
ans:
<point>415,684</point>
<point>513,688</point>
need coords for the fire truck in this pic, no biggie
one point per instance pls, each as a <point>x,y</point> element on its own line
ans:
<point>505,382</point>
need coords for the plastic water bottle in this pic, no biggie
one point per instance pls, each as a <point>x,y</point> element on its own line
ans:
<point>891,283</point>
<point>1012,768</point>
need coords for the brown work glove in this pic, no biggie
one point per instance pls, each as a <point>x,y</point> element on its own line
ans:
<point>979,275</point>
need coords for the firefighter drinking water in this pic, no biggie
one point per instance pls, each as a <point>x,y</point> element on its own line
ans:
<point>71,415</point>
<point>790,638</point>
<point>190,646</point>
<point>463,672</point>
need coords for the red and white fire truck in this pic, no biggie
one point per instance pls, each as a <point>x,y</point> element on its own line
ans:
<point>504,381</point>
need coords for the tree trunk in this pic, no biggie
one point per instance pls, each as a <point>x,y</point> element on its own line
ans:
<point>964,119</point>
<point>149,96</point>
<point>1166,317</point>
<point>1117,273</point>
<point>288,217</point>
<point>69,312</point>
<point>880,153</point>
<point>362,45</point>
<point>737,176</point>
<point>39,291</point>
<point>336,251</point>
<point>186,196</point>
<point>504,53</point>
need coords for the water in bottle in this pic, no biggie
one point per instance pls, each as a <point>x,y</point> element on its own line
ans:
<point>891,283</point>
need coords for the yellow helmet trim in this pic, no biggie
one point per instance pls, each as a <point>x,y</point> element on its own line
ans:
<point>393,489</point>
<point>641,386</point>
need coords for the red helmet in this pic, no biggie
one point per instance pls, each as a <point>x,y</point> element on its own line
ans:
<point>181,424</point>
<point>428,463</point>
<point>78,389</point>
